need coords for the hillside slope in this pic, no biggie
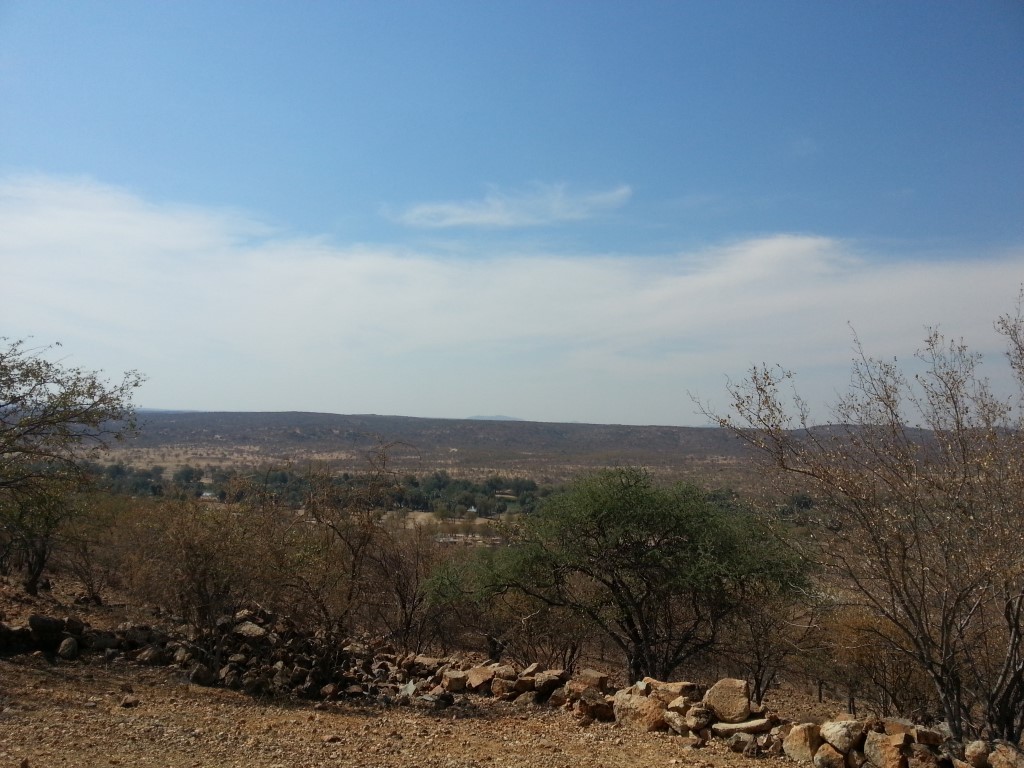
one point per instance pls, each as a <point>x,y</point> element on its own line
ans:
<point>418,444</point>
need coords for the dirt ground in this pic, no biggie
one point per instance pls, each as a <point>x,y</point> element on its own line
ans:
<point>77,714</point>
<point>92,713</point>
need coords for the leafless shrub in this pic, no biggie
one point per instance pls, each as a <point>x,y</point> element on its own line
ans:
<point>921,482</point>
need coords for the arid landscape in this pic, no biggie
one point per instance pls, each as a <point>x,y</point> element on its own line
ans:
<point>640,606</point>
<point>460,384</point>
<point>543,451</point>
<point>91,711</point>
<point>72,716</point>
<point>88,713</point>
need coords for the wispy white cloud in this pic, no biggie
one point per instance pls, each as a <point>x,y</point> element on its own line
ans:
<point>541,205</point>
<point>222,312</point>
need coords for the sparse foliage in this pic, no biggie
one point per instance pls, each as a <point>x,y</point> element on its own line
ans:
<point>53,418</point>
<point>94,542</point>
<point>920,482</point>
<point>655,570</point>
<point>199,560</point>
<point>401,562</point>
<point>478,614</point>
<point>769,632</point>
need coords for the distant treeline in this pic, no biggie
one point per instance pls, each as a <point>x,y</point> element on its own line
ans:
<point>436,492</point>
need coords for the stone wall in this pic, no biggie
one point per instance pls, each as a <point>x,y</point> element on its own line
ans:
<point>264,655</point>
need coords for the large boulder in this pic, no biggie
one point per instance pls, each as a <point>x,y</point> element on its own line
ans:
<point>546,682</point>
<point>524,684</point>
<point>976,753</point>
<point>885,750</point>
<point>45,625</point>
<point>828,756</point>
<point>14,639</point>
<point>1003,755</point>
<point>591,678</point>
<point>802,742</point>
<point>729,699</point>
<point>479,679</point>
<point>928,736</point>
<point>644,713</point>
<point>454,680</point>
<point>844,735</point>
<point>47,631</point>
<point>506,672</point>
<point>752,727</point>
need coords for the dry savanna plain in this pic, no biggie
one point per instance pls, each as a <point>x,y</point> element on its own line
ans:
<point>108,711</point>
<point>545,452</point>
<point>89,712</point>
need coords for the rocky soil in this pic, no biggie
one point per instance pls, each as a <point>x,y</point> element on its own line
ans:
<point>100,689</point>
<point>95,714</point>
<point>92,712</point>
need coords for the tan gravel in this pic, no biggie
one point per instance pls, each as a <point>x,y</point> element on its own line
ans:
<point>76,714</point>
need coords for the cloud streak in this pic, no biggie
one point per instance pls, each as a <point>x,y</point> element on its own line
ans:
<point>222,312</point>
<point>543,205</point>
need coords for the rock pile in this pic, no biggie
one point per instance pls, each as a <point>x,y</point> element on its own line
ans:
<point>261,654</point>
<point>724,711</point>
<point>890,743</point>
<point>68,638</point>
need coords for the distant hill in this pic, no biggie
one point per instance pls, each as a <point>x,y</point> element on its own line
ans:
<point>462,446</point>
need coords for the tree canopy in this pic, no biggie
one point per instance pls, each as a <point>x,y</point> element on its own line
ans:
<point>52,415</point>
<point>52,419</point>
<point>655,569</point>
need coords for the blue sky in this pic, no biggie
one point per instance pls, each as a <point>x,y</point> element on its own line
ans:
<point>559,211</point>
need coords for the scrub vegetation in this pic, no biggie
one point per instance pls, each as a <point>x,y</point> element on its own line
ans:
<point>887,564</point>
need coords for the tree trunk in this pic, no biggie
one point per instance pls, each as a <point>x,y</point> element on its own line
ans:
<point>36,555</point>
<point>495,648</point>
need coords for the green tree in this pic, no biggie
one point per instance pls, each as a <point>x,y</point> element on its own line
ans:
<point>656,570</point>
<point>189,480</point>
<point>475,614</point>
<point>53,421</point>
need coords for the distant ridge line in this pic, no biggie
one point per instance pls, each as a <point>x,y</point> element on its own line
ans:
<point>419,444</point>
